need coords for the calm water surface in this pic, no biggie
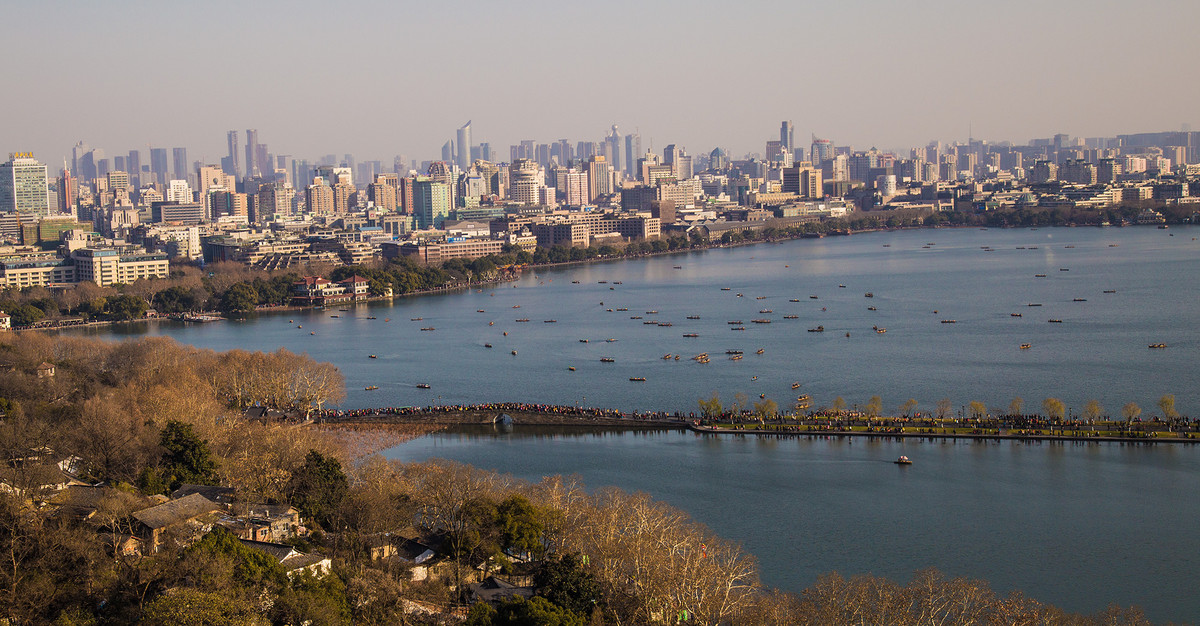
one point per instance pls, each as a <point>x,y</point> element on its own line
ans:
<point>1075,525</point>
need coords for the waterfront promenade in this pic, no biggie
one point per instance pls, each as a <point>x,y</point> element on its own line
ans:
<point>1021,428</point>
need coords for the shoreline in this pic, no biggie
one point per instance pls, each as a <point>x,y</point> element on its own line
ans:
<point>601,418</point>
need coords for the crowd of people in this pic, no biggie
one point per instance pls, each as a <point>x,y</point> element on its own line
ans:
<point>498,407</point>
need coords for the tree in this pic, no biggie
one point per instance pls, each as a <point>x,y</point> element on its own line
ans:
<point>909,407</point>
<point>319,487</point>
<point>540,611</point>
<point>874,406</point>
<point>1166,404</point>
<point>239,299</point>
<point>766,409</point>
<point>740,402</point>
<point>1054,408</point>
<point>977,409</point>
<point>711,408</point>
<point>1015,406</point>
<point>944,408</point>
<point>1093,410</point>
<point>126,307</point>
<point>1130,412</point>
<point>566,583</point>
<point>839,404</point>
<point>186,457</point>
<point>186,606</point>
<point>521,526</point>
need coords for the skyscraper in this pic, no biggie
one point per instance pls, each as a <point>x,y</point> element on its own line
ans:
<point>822,150</point>
<point>633,150</point>
<point>432,202</point>
<point>787,135</point>
<point>232,168</point>
<point>599,178</point>
<point>613,143</point>
<point>252,153</point>
<point>158,165</point>
<point>23,185</point>
<point>133,165</point>
<point>463,144</point>
<point>181,165</point>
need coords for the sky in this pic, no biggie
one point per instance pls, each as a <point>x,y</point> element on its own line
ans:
<point>377,79</point>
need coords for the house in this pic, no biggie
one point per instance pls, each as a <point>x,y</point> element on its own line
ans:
<point>317,291</point>
<point>266,522</point>
<point>45,370</point>
<point>5,321</point>
<point>380,546</point>
<point>182,520</point>
<point>356,286</point>
<point>494,591</point>
<point>293,561</point>
<point>219,495</point>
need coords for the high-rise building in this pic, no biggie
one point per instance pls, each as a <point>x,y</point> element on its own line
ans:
<point>231,166</point>
<point>613,145</point>
<point>463,145</point>
<point>633,149</point>
<point>252,153</point>
<point>448,151</point>
<point>526,178</point>
<point>822,150</point>
<point>68,193</point>
<point>318,197</point>
<point>432,202</point>
<point>179,191</point>
<point>134,166</point>
<point>599,178</point>
<point>158,166</point>
<point>787,135</point>
<point>181,165</point>
<point>23,186</point>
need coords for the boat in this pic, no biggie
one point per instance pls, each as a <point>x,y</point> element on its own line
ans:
<point>734,322</point>
<point>949,321</point>
<point>868,295</point>
<point>651,312</point>
<point>516,306</point>
<point>765,311</point>
<point>811,297</point>
<point>607,359</point>
<point>372,356</point>
<point>736,357</point>
<point>487,345</point>
<point>1068,246</point>
<point>841,286</point>
<point>635,317</point>
<point>1026,346</point>
<point>1039,275</point>
<point>602,282</point>
<point>1158,345</point>
<point>702,355</point>
<point>678,267</point>
<point>665,324</point>
<point>371,317</point>
<point>761,321</point>
<point>650,322</point>
<point>1079,300</point>
<point>415,319</point>
<point>422,385</point>
<point>609,340</point>
<point>880,330</point>
<point>794,300</point>
<point>738,328</point>
<point>691,335</point>
<point>903,460</point>
<point>616,282</point>
<point>819,329</point>
<point>370,387</point>
<point>549,321</point>
<point>637,379</point>
<point>1064,269</point>
<point>1014,315</point>
<point>523,319</point>
<point>667,356</point>
<point>676,357</point>
<point>1110,291</point>
<point>803,398</point>
<point>733,352</point>
<point>335,316</point>
<point>574,282</point>
<point>759,351</point>
<point>608,310</point>
<point>791,317</point>
<point>871,308</point>
<point>514,353</point>
<point>480,311</point>
<point>761,298</point>
<point>623,308</point>
<point>725,289</point>
<point>583,341</point>
<point>795,385</point>
<point>429,328</point>
<point>739,295</point>
<point>1054,321</point>
<point>1034,304</point>
<point>693,317</point>
<point>571,368</point>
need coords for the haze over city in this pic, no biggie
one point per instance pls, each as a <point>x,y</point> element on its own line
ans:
<point>378,79</point>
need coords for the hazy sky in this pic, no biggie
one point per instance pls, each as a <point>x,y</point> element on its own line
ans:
<point>380,78</point>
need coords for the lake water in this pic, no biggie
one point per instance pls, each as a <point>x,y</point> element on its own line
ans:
<point>1098,351</point>
<point>1077,525</point>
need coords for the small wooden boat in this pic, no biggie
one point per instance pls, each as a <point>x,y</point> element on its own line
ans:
<point>795,385</point>
<point>691,335</point>
<point>819,329</point>
<point>549,321</point>
<point>812,297</point>
<point>733,352</point>
<point>903,460</point>
<point>1054,321</point>
<point>734,322</point>
<point>761,321</point>
<point>871,308</point>
<point>880,330</point>
<point>1014,315</point>
<point>736,357</point>
<point>487,345</point>
<point>583,341</point>
<point>759,351</point>
<point>514,353</point>
<point>415,319</point>
<point>667,356</point>
<point>949,321</point>
<point>608,359</point>
<point>571,368</point>
<point>1039,275</point>
<point>765,311</point>
<point>791,317</point>
<point>725,289</point>
<point>637,379</point>
<point>609,340</point>
<point>1026,346</point>
<point>523,319</point>
<point>1080,300</point>
<point>335,316</point>
<point>794,300</point>
<point>738,328</point>
<point>1110,291</point>
<point>693,317</point>
<point>1158,346</point>
<point>371,388</point>
<point>422,385</point>
<point>372,356</point>
<point>868,295</point>
<point>429,328</point>
<point>1034,304</point>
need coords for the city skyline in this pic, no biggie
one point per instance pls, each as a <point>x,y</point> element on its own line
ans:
<point>379,79</point>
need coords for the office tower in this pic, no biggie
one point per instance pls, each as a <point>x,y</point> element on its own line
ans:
<point>231,167</point>
<point>318,197</point>
<point>448,151</point>
<point>822,150</point>
<point>485,151</point>
<point>284,168</point>
<point>252,153</point>
<point>179,191</point>
<point>133,165</point>
<point>542,154</point>
<point>400,165</point>
<point>119,162</point>
<point>67,193</point>
<point>262,161</point>
<point>23,186</point>
<point>613,143</point>
<point>431,202</point>
<point>717,160</point>
<point>158,165</point>
<point>382,194</point>
<point>77,153</point>
<point>180,171</point>
<point>633,148</point>
<point>463,151</point>
<point>775,150</point>
<point>787,135</point>
<point>526,178</point>
<point>599,178</point>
